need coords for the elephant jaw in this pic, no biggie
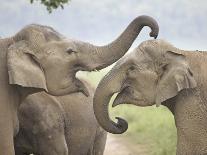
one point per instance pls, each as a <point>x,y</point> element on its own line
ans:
<point>68,90</point>
<point>122,99</point>
<point>125,96</point>
<point>70,86</point>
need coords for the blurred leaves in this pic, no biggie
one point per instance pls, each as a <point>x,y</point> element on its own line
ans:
<point>52,4</point>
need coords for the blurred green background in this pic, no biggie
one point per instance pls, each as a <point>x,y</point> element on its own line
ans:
<point>152,126</point>
<point>182,22</point>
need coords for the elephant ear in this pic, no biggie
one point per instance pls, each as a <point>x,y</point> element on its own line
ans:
<point>176,76</point>
<point>23,69</point>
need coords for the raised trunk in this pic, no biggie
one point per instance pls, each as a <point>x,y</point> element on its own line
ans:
<point>109,85</point>
<point>104,56</point>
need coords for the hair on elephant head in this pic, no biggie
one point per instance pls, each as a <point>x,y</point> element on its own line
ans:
<point>153,73</point>
<point>40,57</point>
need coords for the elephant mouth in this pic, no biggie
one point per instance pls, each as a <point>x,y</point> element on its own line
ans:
<point>84,91</point>
<point>126,96</point>
<point>79,87</point>
<point>123,96</point>
<point>67,85</point>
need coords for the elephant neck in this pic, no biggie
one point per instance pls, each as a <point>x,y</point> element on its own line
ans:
<point>4,79</point>
<point>197,62</point>
<point>4,45</point>
<point>185,99</point>
<point>170,104</point>
<point>190,118</point>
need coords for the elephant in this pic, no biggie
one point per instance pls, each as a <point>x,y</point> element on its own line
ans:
<point>38,58</point>
<point>59,125</point>
<point>156,73</point>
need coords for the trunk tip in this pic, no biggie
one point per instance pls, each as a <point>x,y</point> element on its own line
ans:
<point>121,125</point>
<point>154,35</point>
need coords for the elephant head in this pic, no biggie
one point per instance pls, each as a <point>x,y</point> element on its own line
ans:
<point>153,73</point>
<point>39,57</point>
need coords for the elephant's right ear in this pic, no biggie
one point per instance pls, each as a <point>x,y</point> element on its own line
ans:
<point>176,76</point>
<point>23,69</point>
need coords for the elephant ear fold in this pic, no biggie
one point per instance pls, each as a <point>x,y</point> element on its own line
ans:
<point>23,69</point>
<point>175,77</point>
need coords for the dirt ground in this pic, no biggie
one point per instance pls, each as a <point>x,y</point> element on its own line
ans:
<point>119,145</point>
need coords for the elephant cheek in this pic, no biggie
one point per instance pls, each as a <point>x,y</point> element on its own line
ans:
<point>135,99</point>
<point>140,99</point>
<point>60,87</point>
<point>123,98</point>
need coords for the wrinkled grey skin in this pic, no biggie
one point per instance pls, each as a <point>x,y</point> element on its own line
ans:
<point>59,126</point>
<point>158,73</point>
<point>38,58</point>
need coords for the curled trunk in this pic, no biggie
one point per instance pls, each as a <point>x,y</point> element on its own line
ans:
<point>109,85</point>
<point>104,56</point>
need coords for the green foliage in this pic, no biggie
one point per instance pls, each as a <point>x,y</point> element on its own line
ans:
<point>52,4</point>
<point>150,126</point>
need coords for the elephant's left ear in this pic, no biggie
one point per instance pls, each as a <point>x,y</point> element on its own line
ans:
<point>23,69</point>
<point>176,76</point>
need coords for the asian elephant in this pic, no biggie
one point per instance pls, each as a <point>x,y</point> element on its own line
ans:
<point>156,72</point>
<point>59,125</point>
<point>38,58</point>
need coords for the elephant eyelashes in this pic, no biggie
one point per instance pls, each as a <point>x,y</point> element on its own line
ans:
<point>191,73</point>
<point>70,51</point>
<point>131,68</point>
<point>164,67</point>
<point>78,66</point>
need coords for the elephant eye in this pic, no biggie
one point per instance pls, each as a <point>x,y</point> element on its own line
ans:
<point>132,68</point>
<point>164,67</point>
<point>70,51</point>
<point>191,73</point>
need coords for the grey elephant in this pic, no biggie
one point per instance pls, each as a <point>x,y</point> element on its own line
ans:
<point>156,72</point>
<point>59,125</point>
<point>40,59</point>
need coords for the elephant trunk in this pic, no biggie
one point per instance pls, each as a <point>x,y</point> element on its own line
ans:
<point>104,56</point>
<point>109,85</point>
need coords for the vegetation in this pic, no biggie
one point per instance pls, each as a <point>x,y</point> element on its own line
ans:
<point>151,126</point>
<point>52,4</point>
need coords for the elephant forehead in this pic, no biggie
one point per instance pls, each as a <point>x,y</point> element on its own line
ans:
<point>127,59</point>
<point>157,44</point>
<point>48,31</point>
<point>56,46</point>
<point>134,57</point>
